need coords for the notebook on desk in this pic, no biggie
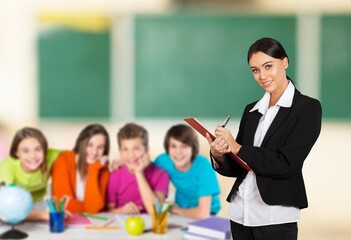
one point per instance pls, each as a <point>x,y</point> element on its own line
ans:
<point>209,228</point>
<point>74,221</point>
<point>78,220</point>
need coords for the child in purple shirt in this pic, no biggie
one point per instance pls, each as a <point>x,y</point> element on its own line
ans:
<point>138,182</point>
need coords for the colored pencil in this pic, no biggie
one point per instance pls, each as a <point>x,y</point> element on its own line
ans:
<point>95,216</point>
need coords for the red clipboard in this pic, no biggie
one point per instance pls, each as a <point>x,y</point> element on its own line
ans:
<point>202,130</point>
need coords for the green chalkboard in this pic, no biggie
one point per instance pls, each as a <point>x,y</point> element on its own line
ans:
<point>335,66</point>
<point>195,64</point>
<point>74,73</point>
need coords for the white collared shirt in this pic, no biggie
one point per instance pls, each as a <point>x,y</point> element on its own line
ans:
<point>246,206</point>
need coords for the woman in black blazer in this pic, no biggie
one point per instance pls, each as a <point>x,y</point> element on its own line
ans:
<point>275,136</point>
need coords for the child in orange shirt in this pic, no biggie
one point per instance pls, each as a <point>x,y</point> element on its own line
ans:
<point>82,174</point>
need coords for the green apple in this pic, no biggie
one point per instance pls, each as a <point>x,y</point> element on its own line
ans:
<point>135,225</point>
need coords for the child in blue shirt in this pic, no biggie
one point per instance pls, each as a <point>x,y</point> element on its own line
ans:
<point>196,184</point>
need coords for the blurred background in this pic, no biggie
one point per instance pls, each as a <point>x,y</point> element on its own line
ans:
<point>65,64</point>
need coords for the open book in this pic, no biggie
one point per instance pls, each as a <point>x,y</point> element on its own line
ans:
<point>202,130</point>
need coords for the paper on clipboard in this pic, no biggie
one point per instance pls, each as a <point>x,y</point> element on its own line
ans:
<point>202,130</point>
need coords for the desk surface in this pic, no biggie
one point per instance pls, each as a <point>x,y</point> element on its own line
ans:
<point>39,231</point>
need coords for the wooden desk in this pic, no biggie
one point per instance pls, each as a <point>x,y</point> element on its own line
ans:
<point>39,231</point>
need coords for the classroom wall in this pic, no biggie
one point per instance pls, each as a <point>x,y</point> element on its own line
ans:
<point>18,70</point>
<point>325,170</point>
<point>305,6</point>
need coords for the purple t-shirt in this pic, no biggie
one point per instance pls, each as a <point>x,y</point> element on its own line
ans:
<point>123,187</point>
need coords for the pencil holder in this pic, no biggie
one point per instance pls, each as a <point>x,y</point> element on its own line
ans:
<point>57,222</point>
<point>159,223</point>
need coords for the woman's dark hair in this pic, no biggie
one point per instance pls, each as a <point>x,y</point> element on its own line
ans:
<point>269,46</point>
<point>29,132</point>
<point>82,143</point>
<point>184,134</point>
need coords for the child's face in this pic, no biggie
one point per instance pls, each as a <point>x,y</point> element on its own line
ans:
<point>95,148</point>
<point>30,154</point>
<point>180,154</point>
<point>131,151</point>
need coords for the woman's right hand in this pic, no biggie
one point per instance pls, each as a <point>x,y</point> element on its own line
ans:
<point>218,147</point>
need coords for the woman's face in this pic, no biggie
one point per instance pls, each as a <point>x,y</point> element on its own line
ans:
<point>95,148</point>
<point>180,154</point>
<point>269,72</point>
<point>30,154</point>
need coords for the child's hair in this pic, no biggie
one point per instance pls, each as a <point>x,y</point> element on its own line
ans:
<point>82,143</point>
<point>29,132</point>
<point>184,134</point>
<point>132,130</point>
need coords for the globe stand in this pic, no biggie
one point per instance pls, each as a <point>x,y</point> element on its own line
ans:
<point>13,233</point>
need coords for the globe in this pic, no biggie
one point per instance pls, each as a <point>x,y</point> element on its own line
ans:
<point>15,204</point>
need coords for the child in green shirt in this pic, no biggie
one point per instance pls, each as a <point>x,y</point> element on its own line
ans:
<point>29,166</point>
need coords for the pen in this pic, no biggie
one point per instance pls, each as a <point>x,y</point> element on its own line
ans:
<point>226,121</point>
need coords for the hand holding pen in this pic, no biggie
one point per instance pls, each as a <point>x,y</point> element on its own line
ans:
<point>226,135</point>
<point>219,146</point>
<point>223,137</point>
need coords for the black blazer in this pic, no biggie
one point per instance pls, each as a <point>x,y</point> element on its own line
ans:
<point>278,162</point>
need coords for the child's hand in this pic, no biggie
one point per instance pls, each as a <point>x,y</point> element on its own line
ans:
<point>104,160</point>
<point>68,214</point>
<point>143,162</point>
<point>175,209</point>
<point>130,208</point>
<point>115,164</point>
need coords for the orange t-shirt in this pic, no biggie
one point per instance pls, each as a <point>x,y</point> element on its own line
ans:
<point>64,183</point>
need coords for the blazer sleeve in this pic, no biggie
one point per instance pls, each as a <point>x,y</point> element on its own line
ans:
<point>283,154</point>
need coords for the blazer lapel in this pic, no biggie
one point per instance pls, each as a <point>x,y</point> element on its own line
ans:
<point>278,120</point>
<point>282,114</point>
<point>252,121</point>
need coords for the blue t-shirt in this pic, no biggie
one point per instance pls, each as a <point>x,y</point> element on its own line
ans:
<point>199,181</point>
